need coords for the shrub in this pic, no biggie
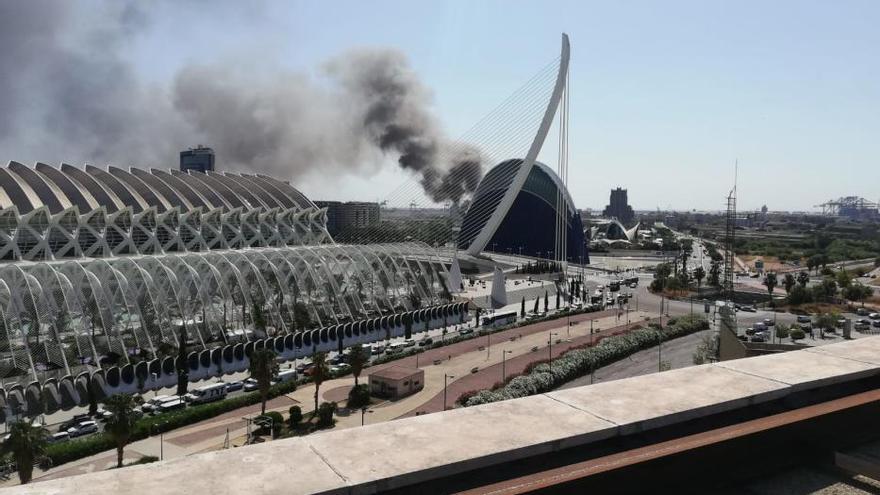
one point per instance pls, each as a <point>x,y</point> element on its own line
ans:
<point>463,398</point>
<point>531,366</point>
<point>576,363</point>
<point>782,331</point>
<point>796,334</point>
<point>277,422</point>
<point>358,396</point>
<point>325,414</point>
<point>296,416</point>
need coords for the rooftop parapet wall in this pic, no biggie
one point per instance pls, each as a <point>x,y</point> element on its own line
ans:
<point>413,450</point>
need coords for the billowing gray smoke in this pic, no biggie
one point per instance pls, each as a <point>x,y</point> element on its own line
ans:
<point>68,92</point>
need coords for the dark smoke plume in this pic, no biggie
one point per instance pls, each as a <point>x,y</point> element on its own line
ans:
<point>68,93</point>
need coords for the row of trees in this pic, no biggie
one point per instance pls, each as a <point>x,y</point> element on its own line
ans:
<point>840,284</point>
<point>538,267</point>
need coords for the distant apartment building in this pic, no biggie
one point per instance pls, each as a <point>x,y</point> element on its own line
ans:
<point>619,207</point>
<point>342,216</point>
<point>200,159</point>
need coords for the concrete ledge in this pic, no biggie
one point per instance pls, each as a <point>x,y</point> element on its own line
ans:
<point>660,399</point>
<point>411,450</point>
<point>414,450</point>
<point>866,350</point>
<point>803,370</point>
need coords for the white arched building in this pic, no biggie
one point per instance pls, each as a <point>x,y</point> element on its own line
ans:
<point>102,272</point>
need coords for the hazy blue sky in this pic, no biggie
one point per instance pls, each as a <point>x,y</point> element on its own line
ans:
<point>664,95</point>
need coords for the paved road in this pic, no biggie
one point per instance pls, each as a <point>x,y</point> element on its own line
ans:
<point>678,353</point>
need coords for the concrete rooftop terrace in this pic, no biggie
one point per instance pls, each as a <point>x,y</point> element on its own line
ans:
<point>400,453</point>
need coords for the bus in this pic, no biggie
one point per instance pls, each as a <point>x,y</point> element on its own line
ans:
<point>499,319</point>
<point>208,393</point>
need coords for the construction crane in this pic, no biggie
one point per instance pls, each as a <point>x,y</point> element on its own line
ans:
<point>851,207</point>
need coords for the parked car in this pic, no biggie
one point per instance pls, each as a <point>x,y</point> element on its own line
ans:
<point>340,368</point>
<point>75,420</point>
<point>250,385</point>
<point>861,326</point>
<point>301,367</point>
<point>862,312</point>
<point>339,358</point>
<point>750,309</point>
<point>874,316</point>
<point>876,324</point>
<point>378,349</point>
<point>82,428</point>
<point>466,331</point>
<point>233,386</point>
<point>426,342</point>
<point>804,319</point>
<point>769,322</point>
<point>757,338</point>
<point>409,343</point>
<point>61,436</point>
<point>633,285</point>
<point>863,321</point>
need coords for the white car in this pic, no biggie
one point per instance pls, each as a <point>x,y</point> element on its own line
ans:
<point>61,436</point>
<point>874,316</point>
<point>250,385</point>
<point>83,428</point>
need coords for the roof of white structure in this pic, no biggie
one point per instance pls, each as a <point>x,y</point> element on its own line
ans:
<point>59,188</point>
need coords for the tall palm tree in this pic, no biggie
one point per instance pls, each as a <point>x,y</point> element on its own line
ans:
<point>770,281</point>
<point>26,443</point>
<point>263,368</point>
<point>357,358</point>
<point>699,275</point>
<point>120,424</point>
<point>319,373</point>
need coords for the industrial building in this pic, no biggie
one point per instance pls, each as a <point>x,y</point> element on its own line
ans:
<point>344,216</point>
<point>199,159</point>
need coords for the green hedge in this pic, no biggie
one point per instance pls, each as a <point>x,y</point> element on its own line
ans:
<point>579,362</point>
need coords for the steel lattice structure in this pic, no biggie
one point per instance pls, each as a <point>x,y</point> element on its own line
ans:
<point>49,213</point>
<point>60,317</point>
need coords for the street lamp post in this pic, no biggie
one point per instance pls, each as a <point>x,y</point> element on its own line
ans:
<point>161,440</point>
<point>446,378</point>
<point>503,369</point>
<point>550,349</point>
<point>659,350</point>
<point>364,411</point>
